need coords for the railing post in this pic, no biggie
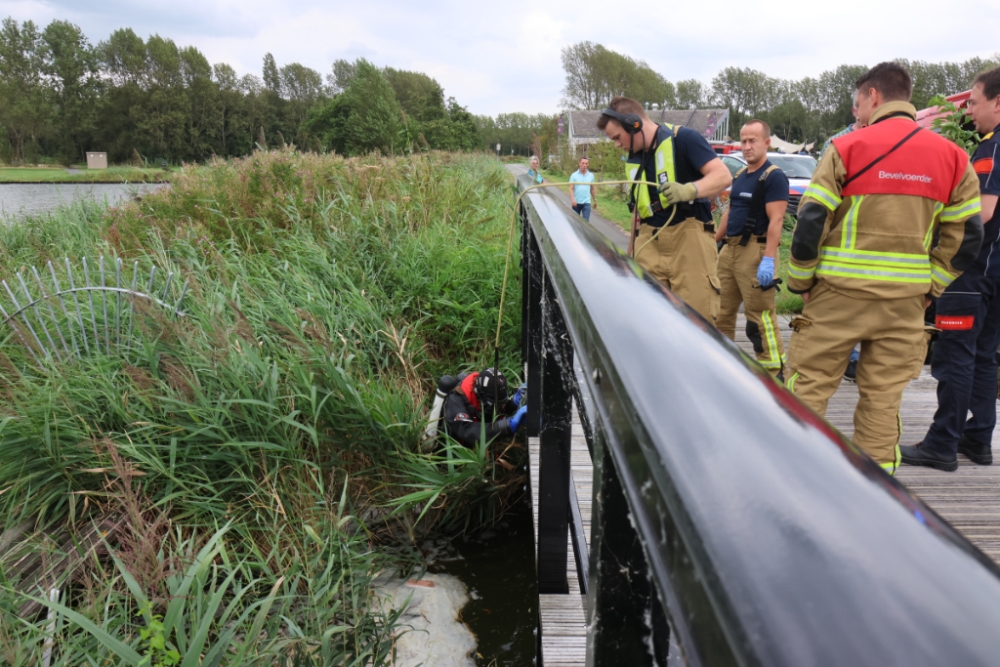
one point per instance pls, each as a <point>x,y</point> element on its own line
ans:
<point>555,440</point>
<point>621,595</point>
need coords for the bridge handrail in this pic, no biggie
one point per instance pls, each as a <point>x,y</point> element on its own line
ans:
<point>770,538</point>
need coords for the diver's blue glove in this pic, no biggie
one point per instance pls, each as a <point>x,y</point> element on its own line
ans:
<point>519,394</point>
<point>518,417</point>
<point>765,272</point>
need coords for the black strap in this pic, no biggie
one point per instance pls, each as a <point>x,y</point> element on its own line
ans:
<point>881,157</point>
<point>757,206</point>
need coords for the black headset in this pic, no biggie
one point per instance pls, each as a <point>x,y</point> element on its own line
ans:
<point>630,122</point>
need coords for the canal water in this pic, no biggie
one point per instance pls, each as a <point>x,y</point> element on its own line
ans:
<point>498,567</point>
<point>23,199</point>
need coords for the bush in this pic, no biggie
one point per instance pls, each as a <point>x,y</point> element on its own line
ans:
<point>326,294</point>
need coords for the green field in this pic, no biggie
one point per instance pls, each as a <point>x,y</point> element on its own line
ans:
<point>609,204</point>
<point>60,175</point>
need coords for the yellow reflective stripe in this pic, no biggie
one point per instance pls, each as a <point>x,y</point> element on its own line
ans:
<point>772,342</point>
<point>871,273</point>
<point>790,382</point>
<point>849,234</point>
<point>823,196</point>
<point>874,258</point>
<point>962,211</point>
<point>941,276</point>
<point>938,207</point>
<point>799,272</point>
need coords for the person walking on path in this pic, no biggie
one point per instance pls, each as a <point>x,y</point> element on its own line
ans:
<point>534,172</point>
<point>751,229</point>
<point>968,315</point>
<point>583,197</point>
<point>863,261</point>
<point>673,233</point>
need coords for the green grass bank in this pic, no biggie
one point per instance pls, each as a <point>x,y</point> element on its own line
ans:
<point>259,456</point>
<point>81,175</point>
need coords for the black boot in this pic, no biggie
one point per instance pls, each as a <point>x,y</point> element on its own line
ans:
<point>981,454</point>
<point>851,374</point>
<point>918,455</point>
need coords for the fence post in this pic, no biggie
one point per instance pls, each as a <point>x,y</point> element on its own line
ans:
<point>620,599</point>
<point>555,438</point>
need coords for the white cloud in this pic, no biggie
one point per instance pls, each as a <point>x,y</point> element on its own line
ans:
<point>505,57</point>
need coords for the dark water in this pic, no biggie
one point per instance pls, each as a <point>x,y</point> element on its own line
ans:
<point>20,199</point>
<point>498,567</point>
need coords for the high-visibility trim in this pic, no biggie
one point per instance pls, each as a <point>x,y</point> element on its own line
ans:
<point>823,196</point>
<point>941,276</point>
<point>872,273</point>
<point>849,233</point>
<point>876,257</point>
<point>772,342</point>
<point>663,158</point>
<point>801,273</point>
<point>790,382</point>
<point>962,211</point>
<point>929,236</point>
<point>891,466</point>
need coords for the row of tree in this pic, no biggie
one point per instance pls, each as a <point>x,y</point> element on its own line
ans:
<point>61,96</point>
<point>808,109</point>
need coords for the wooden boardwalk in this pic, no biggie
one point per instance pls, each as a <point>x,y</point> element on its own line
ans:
<point>968,498</point>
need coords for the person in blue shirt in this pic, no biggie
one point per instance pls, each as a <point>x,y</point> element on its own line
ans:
<point>534,172</point>
<point>751,229</point>
<point>968,316</point>
<point>583,197</point>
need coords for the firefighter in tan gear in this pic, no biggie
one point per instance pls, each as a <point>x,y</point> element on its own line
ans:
<point>863,260</point>
<point>751,229</point>
<point>673,233</point>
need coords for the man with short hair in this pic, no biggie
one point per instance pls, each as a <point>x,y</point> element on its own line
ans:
<point>583,197</point>
<point>751,229</point>
<point>863,260</point>
<point>673,233</point>
<point>968,315</point>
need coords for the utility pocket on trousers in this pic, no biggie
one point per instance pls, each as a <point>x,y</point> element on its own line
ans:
<point>799,323</point>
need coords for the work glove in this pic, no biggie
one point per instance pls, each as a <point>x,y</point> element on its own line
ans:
<point>678,192</point>
<point>518,417</point>
<point>519,394</point>
<point>765,272</point>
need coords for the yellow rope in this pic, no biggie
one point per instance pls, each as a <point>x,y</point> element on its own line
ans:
<point>513,224</point>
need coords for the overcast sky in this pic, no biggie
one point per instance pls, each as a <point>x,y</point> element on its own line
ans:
<point>504,56</point>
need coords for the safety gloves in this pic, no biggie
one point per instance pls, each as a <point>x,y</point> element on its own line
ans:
<point>678,192</point>
<point>519,394</point>
<point>765,272</point>
<point>518,417</point>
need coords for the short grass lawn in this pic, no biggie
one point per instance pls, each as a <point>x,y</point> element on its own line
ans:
<point>62,175</point>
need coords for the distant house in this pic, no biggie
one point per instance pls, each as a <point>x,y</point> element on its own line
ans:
<point>712,123</point>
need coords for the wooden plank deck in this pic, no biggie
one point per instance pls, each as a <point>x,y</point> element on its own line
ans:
<point>968,498</point>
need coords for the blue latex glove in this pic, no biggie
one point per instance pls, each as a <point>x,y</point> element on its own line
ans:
<point>765,272</point>
<point>518,417</point>
<point>519,394</point>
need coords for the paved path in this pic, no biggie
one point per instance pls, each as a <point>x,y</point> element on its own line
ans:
<point>968,498</point>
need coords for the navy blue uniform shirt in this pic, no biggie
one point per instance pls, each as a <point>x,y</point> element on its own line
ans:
<point>691,152</point>
<point>986,163</point>
<point>775,189</point>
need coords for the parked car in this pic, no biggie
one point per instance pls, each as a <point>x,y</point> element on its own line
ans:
<point>798,168</point>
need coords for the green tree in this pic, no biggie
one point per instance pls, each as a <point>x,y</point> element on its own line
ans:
<point>25,103</point>
<point>690,94</point>
<point>71,66</point>
<point>595,74</point>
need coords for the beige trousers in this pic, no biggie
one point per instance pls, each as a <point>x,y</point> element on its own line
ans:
<point>737,270</point>
<point>893,347</point>
<point>682,257</point>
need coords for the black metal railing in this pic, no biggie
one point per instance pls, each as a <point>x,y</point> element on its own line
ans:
<point>723,509</point>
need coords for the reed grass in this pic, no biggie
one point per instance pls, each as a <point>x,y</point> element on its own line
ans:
<point>276,424</point>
